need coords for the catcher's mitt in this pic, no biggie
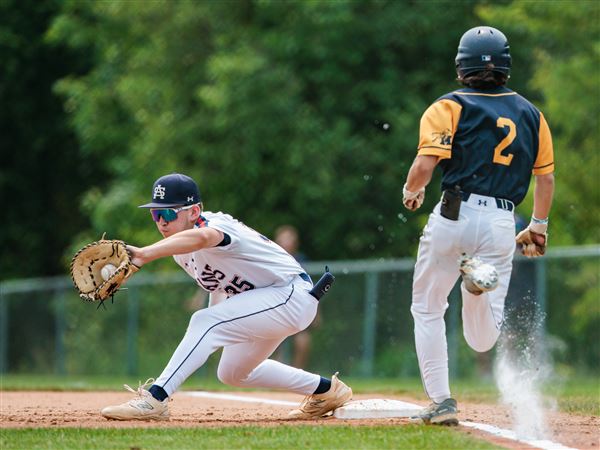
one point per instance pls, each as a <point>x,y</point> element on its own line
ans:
<point>87,265</point>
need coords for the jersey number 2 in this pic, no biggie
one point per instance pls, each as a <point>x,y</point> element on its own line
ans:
<point>499,158</point>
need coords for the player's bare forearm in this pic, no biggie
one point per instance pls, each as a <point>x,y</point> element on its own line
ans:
<point>542,195</point>
<point>186,241</point>
<point>420,172</point>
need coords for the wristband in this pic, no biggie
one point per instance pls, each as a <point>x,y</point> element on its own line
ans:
<point>409,195</point>
<point>538,226</point>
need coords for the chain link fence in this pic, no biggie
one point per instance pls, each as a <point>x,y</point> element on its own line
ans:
<point>364,329</point>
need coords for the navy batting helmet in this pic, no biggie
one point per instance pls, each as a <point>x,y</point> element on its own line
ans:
<point>483,48</point>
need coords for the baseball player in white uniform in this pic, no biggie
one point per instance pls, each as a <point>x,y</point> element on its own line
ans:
<point>259,295</point>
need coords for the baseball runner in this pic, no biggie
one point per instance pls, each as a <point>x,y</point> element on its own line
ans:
<point>259,295</point>
<point>488,140</point>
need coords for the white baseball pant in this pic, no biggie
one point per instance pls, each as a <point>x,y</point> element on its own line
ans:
<point>250,326</point>
<point>483,230</point>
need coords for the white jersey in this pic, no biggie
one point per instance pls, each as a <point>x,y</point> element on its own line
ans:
<point>249,261</point>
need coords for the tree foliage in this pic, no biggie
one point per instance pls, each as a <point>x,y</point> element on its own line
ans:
<point>38,148</point>
<point>276,108</point>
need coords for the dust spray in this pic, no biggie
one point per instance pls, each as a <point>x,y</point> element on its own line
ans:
<point>522,366</point>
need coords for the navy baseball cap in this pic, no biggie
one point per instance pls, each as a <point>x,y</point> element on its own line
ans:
<point>173,190</point>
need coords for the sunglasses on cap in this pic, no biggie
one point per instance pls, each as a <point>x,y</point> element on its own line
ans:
<point>169,214</point>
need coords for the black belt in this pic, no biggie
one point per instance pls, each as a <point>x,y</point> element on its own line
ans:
<point>501,203</point>
<point>305,277</point>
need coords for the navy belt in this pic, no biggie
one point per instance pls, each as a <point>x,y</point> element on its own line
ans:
<point>305,277</point>
<point>501,203</point>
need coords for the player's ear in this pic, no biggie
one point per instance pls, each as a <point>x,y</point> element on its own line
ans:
<point>195,212</point>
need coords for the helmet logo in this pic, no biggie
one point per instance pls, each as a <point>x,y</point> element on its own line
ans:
<point>486,58</point>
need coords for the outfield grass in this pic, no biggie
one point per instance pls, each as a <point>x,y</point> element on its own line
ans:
<point>579,396</point>
<point>282,437</point>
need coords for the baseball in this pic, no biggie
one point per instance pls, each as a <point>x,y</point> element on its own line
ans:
<point>107,271</point>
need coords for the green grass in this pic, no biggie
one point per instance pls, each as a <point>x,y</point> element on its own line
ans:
<point>578,396</point>
<point>581,396</point>
<point>18,382</point>
<point>282,437</point>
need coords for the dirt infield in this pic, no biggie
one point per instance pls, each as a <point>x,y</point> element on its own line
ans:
<point>81,409</point>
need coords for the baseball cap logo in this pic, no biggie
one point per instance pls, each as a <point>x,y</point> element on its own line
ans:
<point>190,199</point>
<point>159,192</point>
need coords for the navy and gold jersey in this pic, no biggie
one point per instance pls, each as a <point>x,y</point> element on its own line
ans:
<point>488,142</point>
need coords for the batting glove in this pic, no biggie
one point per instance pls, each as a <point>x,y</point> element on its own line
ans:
<point>412,200</point>
<point>534,239</point>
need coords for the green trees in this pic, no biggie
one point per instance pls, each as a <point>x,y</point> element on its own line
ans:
<point>41,205</point>
<point>276,108</point>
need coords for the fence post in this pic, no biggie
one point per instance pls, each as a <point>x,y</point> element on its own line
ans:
<point>453,326</point>
<point>60,325</point>
<point>370,321</point>
<point>133,315</point>
<point>3,333</point>
<point>540,294</point>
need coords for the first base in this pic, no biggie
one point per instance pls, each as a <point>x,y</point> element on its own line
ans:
<point>376,408</point>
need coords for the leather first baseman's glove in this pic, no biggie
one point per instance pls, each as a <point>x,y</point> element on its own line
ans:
<point>99,269</point>
<point>533,240</point>
<point>412,200</point>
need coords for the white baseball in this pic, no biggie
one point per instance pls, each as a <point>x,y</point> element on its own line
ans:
<point>107,271</point>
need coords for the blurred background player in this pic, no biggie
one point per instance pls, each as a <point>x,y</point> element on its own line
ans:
<point>288,238</point>
<point>259,295</point>
<point>488,140</point>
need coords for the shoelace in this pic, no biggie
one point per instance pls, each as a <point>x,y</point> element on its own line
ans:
<point>140,390</point>
<point>430,409</point>
<point>312,404</point>
<point>315,403</point>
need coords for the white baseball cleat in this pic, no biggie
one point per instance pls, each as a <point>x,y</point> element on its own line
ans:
<point>143,407</point>
<point>318,405</point>
<point>478,276</point>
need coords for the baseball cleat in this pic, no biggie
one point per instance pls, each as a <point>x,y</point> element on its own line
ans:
<point>439,413</point>
<point>478,276</point>
<point>143,407</point>
<point>318,405</point>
